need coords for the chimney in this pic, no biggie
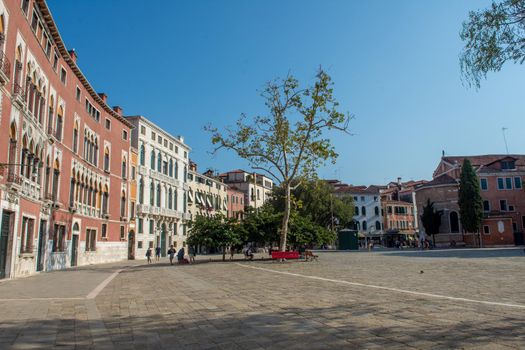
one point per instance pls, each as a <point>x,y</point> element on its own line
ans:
<point>118,110</point>
<point>193,166</point>
<point>73,55</point>
<point>399,181</point>
<point>103,96</point>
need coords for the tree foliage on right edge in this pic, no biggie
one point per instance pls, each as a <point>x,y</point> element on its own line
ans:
<point>492,37</point>
<point>431,219</point>
<point>470,200</point>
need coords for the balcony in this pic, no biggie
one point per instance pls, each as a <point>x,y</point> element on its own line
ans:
<point>152,210</point>
<point>5,68</point>
<point>13,179</point>
<point>19,95</point>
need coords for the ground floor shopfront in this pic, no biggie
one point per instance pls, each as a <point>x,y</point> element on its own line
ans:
<point>39,236</point>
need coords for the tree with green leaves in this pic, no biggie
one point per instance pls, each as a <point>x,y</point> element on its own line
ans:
<point>290,143</point>
<point>262,225</point>
<point>469,199</point>
<point>492,36</point>
<point>315,199</point>
<point>215,232</point>
<point>431,219</point>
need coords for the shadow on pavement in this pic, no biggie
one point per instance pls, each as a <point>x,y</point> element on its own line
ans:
<point>461,253</point>
<point>311,328</point>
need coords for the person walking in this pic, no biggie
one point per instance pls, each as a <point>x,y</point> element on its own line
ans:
<point>191,253</point>
<point>157,253</point>
<point>171,253</point>
<point>148,255</point>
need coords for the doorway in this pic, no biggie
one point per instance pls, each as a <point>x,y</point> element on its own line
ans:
<point>74,250</point>
<point>131,245</point>
<point>41,246</point>
<point>163,241</point>
<point>4,237</point>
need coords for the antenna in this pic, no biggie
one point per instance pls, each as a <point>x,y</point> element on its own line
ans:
<point>505,139</point>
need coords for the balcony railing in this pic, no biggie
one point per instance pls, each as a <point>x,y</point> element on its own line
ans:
<point>5,68</point>
<point>13,177</point>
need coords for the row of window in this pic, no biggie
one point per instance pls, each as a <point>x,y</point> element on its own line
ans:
<point>362,198</point>
<point>162,141</point>
<point>503,205</point>
<point>157,163</point>
<point>504,183</point>
<point>363,210</point>
<point>172,227</point>
<point>363,226</point>
<point>170,202</point>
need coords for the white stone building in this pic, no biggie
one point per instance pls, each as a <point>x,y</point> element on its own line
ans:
<point>257,188</point>
<point>368,218</point>
<point>161,187</point>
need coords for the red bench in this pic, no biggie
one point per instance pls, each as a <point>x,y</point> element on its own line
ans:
<point>285,255</point>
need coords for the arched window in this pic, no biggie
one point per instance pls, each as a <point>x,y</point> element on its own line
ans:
<point>141,191</point>
<point>171,168</point>
<point>152,194</point>
<point>159,162</point>
<point>12,150</point>
<point>364,225</point>
<point>376,210</point>
<point>175,199</point>
<point>75,138</point>
<point>105,200</point>
<point>170,199</point>
<point>123,204</point>
<point>124,169</point>
<point>176,171</point>
<point>95,156</point>
<point>56,179</point>
<point>72,192</point>
<point>142,155</point>
<point>363,210</point>
<point>23,156</point>
<point>454,222</point>
<point>378,225</point>
<point>50,113</point>
<point>158,196</point>
<point>356,211</point>
<point>152,165</point>
<point>60,120</point>
<point>106,159</point>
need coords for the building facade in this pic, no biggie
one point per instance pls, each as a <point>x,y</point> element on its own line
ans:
<point>235,202</point>
<point>368,220</point>
<point>257,188</point>
<point>132,245</point>
<point>64,153</point>
<point>161,187</point>
<point>503,196</point>
<point>207,195</point>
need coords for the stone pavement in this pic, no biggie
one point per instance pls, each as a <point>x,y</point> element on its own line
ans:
<point>268,305</point>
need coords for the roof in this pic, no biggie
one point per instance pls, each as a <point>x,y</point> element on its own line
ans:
<point>438,181</point>
<point>357,189</point>
<point>484,160</point>
<point>46,14</point>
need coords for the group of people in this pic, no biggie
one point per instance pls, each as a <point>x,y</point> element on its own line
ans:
<point>172,252</point>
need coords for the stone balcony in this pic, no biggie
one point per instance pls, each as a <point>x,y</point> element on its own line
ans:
<point>30,189</point>
<point>152,210</point>
<point>161,177</point>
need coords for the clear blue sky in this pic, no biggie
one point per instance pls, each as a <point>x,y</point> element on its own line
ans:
<point>395,66</point>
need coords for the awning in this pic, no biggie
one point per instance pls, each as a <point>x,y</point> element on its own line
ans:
<point>198,198</point>
<point>190,196</point>
<point>208,202</point>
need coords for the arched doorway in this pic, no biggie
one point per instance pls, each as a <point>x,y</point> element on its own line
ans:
<point>163,239</point>
<point>454,222</point>
<point>74,244</point>
<point>131,245</point>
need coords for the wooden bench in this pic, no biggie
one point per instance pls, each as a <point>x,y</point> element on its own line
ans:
<point>285,255</point>
<point>309,255</point>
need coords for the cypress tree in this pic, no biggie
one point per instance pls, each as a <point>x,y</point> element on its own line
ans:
<point>470,201</point>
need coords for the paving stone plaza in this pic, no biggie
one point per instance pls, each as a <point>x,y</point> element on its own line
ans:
<point>467,299</point>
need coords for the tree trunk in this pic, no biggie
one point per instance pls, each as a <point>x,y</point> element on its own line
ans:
<point>224,254</point>
<point>286,217</point>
